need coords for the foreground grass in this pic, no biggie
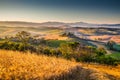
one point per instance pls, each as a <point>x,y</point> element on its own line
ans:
<point>110,70</point>
<point>16,65</point>
<point>26,66</point>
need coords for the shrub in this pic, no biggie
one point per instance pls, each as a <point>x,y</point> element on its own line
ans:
<point>100,51</point>
<point>107,60</point>
<point>110,44</point>
<point>16,46</point>
<point>77,51</point>
<point>46,51</point>
<point>21,47</point>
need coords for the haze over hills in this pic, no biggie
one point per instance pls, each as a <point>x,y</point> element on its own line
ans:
<point>55,24</point>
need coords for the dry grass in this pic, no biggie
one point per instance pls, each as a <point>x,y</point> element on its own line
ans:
<point>116,39</point>
<point>87,31</point>
<point>54,36</point>
<point>21,65</point>
<point>101,36</point>
<point>110,70</point>
<point>26,66</point>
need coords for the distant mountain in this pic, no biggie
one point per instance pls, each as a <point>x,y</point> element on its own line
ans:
<point>54,24</point>
<point>82,24</point>
<point>110,25</point>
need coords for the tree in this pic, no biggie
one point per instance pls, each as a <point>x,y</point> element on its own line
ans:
<point>7,39</point>
<point>24,37</point>
<point>110,44</point>
<point>101,51</point>
<point>77,51</point>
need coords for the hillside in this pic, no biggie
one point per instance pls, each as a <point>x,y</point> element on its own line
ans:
<point>111,70</point>
<point>18,65</point>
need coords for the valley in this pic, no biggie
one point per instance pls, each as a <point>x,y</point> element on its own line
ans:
<point>78,49</point>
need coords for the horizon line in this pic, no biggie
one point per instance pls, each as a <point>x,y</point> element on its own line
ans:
<point>53,21</point>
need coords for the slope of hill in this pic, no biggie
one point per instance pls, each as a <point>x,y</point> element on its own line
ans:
<point>40,31</point>
<point>26,66</point>
<point>111,70</point>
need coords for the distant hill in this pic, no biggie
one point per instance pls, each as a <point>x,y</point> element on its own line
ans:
<point>18,24</point>
<point>55,24</point>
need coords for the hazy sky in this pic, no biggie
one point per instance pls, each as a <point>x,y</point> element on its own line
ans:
<point>92,11</point>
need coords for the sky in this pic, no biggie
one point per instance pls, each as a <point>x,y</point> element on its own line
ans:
<point>91,11</point>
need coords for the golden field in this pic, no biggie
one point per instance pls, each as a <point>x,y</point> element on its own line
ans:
<point>26,66</point>
<point>105,38</point>
<point>54,36</point>
<point>110,70</point>
<point>116,39</point>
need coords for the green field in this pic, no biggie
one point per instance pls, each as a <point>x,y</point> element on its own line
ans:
<point>115,55</point>
<point>55,43</point>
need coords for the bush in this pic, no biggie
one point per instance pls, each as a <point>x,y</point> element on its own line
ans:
<point>77,51</point>
<point>110,44</point>
<point>100,51</point>
<point>47,51</point>
<point>107,60</point>
<point>15,46</point>
<point>21,47</point>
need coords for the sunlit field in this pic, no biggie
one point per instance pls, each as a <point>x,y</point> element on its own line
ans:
<point>18,65</point>
<point>111,70</point>
<point>41,32</point>
<point>26,66</point>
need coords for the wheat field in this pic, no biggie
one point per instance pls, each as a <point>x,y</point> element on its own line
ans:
<point>30,66</point>
<point>110,70</point>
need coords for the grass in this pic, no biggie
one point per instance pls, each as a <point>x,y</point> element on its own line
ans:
<point>55,43</point>
<point>115,55</point>
<point>87,31</point>
<point>111,70</point>
<point>17,65</point>
<point>26,66</point>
